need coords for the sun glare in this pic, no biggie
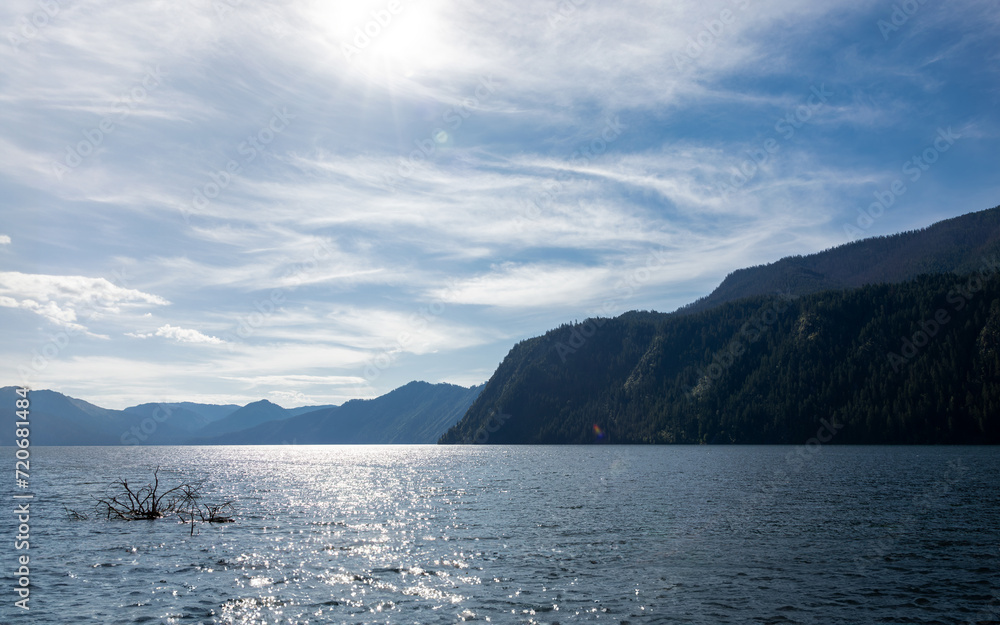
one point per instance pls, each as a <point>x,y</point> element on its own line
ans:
<point>396,37</point>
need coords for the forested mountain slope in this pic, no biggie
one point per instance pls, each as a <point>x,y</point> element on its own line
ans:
<point>914,362</point>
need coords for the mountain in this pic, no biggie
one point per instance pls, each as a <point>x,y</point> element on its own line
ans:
<point>294,412</point>
<point>416,413</point>
<point>914,362</point>
<point>192,417</point>
<point>212,412</point>
<point>252,415</point>
<point>57,419</point>
<point>952,246</point>
<point>248,416</point>
<point>184,418</point>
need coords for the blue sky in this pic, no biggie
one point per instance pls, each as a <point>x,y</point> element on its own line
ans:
<point>309,201</point>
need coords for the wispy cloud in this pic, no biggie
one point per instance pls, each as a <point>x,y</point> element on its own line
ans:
<point>181,335</point>
<point>460,158</point>
<point>296,380</point>
<point>512,285</point>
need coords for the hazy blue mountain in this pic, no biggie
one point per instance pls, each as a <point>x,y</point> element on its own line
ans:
<point>418,412</point>
<point>196,418</point>
<point>188,420</point>
<point>212,412</point>
<point>294,412</point>
<point>57,419</point>
<point>957,245</point>
<point>248,416</point>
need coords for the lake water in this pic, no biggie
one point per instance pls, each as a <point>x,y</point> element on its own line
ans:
<point>605,534</point>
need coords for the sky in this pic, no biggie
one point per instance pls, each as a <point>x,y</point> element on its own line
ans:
<point>307,202</point>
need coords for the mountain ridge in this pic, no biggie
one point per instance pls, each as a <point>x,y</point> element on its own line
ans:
<point>953,245</point>
<point>59,419</point>
<point>388,419</point>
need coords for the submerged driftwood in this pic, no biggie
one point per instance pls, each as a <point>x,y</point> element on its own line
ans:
<point>127,502</point>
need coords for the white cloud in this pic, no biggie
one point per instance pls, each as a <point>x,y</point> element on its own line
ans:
<point>181,335</point>
<point>186,335</point>
<point>4,239</point>
<point>62,299</point>
<point>291,398</point>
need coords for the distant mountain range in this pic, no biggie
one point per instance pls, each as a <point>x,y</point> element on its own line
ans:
<point>797,350</point>
<point>416,413</point>
<point>189,416</point>
<point>252,415</point>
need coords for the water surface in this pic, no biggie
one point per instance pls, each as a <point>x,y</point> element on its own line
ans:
<point>429,534</point>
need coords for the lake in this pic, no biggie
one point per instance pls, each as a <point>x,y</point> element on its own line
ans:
<point>600,534</point>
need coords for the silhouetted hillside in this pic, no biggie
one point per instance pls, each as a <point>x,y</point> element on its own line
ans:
<point>916,362</point>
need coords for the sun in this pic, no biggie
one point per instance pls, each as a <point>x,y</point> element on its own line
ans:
<point>400,37</point>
